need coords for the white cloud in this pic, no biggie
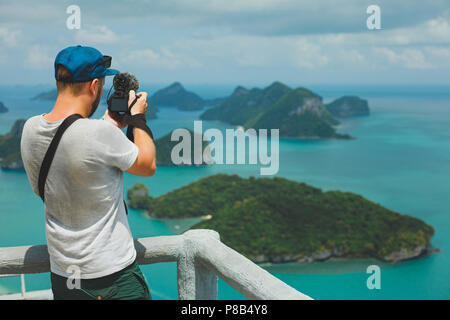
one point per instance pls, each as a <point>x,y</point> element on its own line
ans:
<point>438,30</point>
<point>308,55</point>
<point>9,37</point>
<point>38,58</point>
<point>350,58</point>
<point>256,51</point>
<point>407,58</point>
<point>94,35</point>
<point>440,52</point>
<point>439,55</point>
<point>421,47</point>
<point>433,31</point>
<point>402,47</point>
<point>164,59</point>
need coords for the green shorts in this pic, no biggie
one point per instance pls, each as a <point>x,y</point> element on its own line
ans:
<point>126,284</point>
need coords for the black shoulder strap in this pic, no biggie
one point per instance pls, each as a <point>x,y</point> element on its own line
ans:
<point>49,155</point>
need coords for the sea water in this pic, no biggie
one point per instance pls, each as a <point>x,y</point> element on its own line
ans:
<point>400,159</point>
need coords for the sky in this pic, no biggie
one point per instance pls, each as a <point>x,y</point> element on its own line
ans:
<point>250,43</point>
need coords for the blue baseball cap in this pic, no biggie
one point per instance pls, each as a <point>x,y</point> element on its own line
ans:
<point>84,64</point>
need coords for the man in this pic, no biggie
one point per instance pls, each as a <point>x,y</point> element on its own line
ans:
<point>85,217</point>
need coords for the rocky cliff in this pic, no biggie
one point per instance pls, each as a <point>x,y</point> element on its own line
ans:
<point>10,148</point>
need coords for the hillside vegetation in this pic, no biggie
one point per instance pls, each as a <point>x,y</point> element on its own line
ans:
<point>275,219</point>
<point>298,113</point>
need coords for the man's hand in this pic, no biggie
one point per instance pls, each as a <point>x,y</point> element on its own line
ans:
<point>115,118</point>
<point>141,104</point>
<point>145,164</point>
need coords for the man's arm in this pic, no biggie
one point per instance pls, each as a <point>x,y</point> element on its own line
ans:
<point>145,164</point>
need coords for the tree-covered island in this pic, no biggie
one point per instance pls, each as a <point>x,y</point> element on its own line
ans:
<point>278,220</point>
<point>298,113</point>
<point>10,158</point>
<point>165,146</point>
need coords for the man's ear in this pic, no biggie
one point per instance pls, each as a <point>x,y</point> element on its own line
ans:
<point>94,87</point>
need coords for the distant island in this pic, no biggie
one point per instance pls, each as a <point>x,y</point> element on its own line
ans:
<point>151,112</point>
<point>348,106</point>
<point>10,158</point>
<point>47,95</point>
<point>3,108</point>
<point>164,147</point>
<point>278,220</point>
<point>176,95</point>
<point>298,113</point>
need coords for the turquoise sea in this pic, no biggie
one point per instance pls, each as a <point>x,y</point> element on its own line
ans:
<point>400,159</point>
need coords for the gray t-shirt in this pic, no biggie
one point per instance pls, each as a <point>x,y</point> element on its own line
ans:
<point>85,220</point>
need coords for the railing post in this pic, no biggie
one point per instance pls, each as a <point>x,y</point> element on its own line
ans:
<point>22,284</point>
<point>195,282</point>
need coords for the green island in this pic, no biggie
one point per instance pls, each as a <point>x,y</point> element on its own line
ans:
<point>279,220</point>
<point>175,95</point>
<point>47,95</point>
<point>298,113</point>
<point>348,106</point>
<point>165,145</point>
<point>3,108</point>
<point>10,158</point>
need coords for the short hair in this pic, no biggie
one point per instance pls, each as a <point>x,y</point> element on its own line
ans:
<point>64,81</point>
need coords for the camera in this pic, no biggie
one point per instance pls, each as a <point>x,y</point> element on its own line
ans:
<point>122,83</point>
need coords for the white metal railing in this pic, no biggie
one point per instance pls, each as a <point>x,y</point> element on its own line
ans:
<point>24,295</point>
<point>22,281</point>
<point>201,257</point>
